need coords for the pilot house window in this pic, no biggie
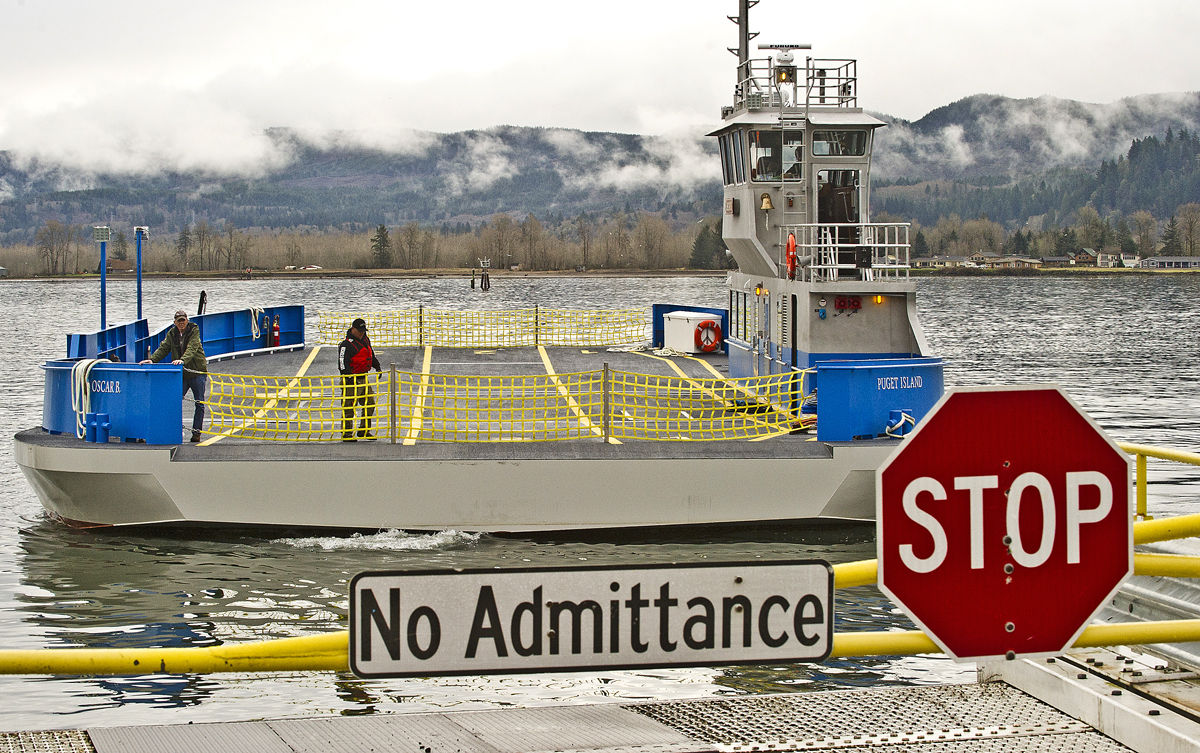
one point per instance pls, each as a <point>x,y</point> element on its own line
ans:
<point>839,143</point>
<point>733,165</point>
<point>776,155</point>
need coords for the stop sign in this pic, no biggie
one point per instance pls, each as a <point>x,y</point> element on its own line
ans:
<point>1004,522</point>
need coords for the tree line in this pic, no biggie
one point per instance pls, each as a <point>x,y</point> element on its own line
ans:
<point>622,240</point>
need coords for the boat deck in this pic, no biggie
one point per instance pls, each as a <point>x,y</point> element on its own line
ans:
<point>1062,705</point>
<point>515,362</point>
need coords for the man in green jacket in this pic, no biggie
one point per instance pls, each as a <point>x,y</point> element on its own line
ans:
<point>182,343</point>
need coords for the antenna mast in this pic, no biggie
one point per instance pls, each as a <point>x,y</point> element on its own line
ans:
<point>744,36</point>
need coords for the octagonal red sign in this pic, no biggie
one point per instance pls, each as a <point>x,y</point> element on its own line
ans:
<point>1004,522</point>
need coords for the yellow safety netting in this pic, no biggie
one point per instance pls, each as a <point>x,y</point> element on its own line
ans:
<point>491,329</point>
<point>646,406</point>
<point>297,409</point>
<point>536,408</point>
<point>420,407</point>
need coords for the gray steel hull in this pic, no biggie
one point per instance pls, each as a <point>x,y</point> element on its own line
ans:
<point>490,488</point>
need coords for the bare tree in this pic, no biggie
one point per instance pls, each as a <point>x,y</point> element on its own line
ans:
<point>533,243</point>
<point>292,251</point>
<point>586,231</point>
<point>1089,228</point>
<point>235,249</point>
<point>1189,228</point>
<point>652,234</point>
<point>204,240</point>
<point>1146,233</point>
<point>54,242</point>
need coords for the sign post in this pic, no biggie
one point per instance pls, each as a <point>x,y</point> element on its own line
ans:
<point>1004,522</point>
<point>405,624</point>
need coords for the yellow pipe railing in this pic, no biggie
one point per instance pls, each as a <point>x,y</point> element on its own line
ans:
<point>1143,451</point>
<point>330,652</point>
<point>307,653</point>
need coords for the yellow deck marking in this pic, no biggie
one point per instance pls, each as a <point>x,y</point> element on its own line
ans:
<point>562,390</point>
<point>692,380</point>
<point>719,375</point>
<point>418,416</point>
<point>271,402</point>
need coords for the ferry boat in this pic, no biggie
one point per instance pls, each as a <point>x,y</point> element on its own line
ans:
<point>785,405</point>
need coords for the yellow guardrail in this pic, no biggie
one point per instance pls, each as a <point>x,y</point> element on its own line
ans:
<point>490,328</point>
<point>419,406</point>
<point>330,651</point>
<point>1140,452</point>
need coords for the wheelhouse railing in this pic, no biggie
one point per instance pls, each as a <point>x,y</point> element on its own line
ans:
<point>828,252</point>
<point>825,83</point>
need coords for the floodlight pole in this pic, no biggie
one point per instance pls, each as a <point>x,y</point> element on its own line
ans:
<point>101,234</point>
<point>139,233</point>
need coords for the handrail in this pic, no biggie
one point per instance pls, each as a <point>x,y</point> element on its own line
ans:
<point>821,246</point>
<point>1143,451</point>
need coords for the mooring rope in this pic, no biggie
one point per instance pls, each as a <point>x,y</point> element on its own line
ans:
<point>81,392</point>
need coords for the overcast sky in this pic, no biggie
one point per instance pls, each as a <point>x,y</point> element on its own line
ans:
<point>141,83</point>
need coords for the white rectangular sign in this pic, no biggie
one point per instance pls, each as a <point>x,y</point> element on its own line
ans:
<point>537,620</point>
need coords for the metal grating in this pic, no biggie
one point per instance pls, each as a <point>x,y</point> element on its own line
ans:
<point>52,741</point>
<point>393,732</point>
<point>600,727</point>
<point>983,717</point>
<point>1085,742</point>
<point>189,738</point>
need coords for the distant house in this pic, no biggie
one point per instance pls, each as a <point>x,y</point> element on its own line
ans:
<point>3,272</point>
<point>1130,260</point>
<point>1057,261</point>
<point>938,262</point>
<point>1171,262</point>
<point>119,265</point>
<point>1084,257</point>
<point>1014,262</point>
<point>1105,259</point>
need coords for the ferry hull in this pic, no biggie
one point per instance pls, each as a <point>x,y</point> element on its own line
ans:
<point>493,489</point>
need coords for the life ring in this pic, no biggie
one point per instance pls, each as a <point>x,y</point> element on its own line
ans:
<point>791,256</point>
<point>708,336</point>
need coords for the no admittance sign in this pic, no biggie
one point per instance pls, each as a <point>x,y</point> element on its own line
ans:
<point>538,620</point>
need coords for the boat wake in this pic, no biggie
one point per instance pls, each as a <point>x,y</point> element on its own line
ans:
<point>392,539</point>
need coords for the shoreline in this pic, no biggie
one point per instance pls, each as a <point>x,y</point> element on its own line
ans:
<point>230,274</point>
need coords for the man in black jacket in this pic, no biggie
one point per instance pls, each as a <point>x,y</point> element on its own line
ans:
<point>355,359</point>
<point>182,343</point>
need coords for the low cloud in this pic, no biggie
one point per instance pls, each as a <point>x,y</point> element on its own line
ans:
<point>674,161</point>
<point>486,160</point>
<point>990,135</point>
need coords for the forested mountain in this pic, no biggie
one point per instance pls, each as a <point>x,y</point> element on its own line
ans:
<point>1014,161</point>
<point>1157,174</point>
<point>454,180</point>
<point>984,155</point>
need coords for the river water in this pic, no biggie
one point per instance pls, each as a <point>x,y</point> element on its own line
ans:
<point>1124,347</point>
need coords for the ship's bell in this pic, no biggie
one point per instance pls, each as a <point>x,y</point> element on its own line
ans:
<point>766,202</point>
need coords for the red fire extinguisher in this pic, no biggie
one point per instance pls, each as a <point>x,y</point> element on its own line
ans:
<point>275,332</point>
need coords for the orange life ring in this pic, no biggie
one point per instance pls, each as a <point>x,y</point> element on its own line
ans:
<point>708,336</point>
<point>791,256</point>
